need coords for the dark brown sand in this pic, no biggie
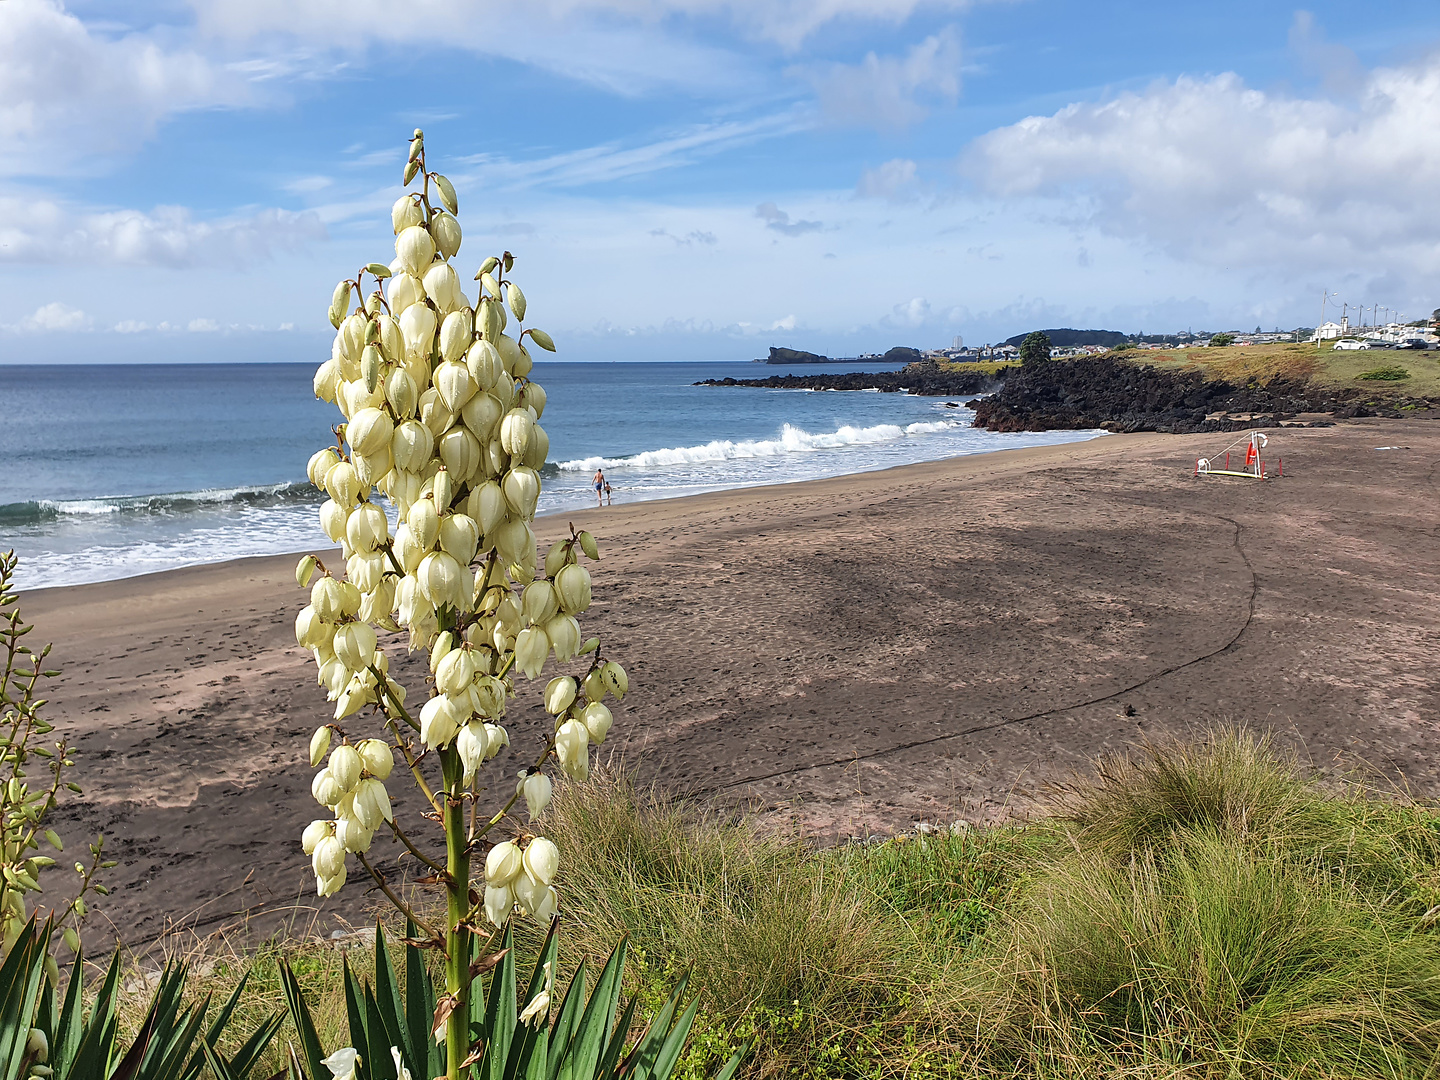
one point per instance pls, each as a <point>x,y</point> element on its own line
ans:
<point>928,643</point>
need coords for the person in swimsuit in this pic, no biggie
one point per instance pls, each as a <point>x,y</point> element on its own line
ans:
<point>609,497</point>
<point>600,485</point>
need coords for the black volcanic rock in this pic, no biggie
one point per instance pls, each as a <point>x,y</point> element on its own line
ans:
<point>924,378</point>
<point>1107,392</point>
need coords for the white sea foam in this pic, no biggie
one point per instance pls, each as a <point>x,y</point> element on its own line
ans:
<point>792,440</point>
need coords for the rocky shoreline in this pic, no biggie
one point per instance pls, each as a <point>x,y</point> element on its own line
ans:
<point>1113,394</point>
<point>1120,396</point>
<point>924,379</point>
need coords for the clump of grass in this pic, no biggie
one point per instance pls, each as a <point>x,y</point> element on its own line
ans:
<point>1386,373</point>
<point>1218,915</point>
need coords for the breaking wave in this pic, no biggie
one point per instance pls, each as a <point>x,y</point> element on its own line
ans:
<point>44,510</point>
<point>792,440</point>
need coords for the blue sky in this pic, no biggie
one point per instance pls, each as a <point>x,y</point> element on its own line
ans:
<point>699,179</point>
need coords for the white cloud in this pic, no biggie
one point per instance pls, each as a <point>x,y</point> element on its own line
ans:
<point>130,326</point>
<point>53,317</point>
<point>779,220</point>
<point>890,92</point>
<point>894,180</point>
<point>1214,171</point>
<point>787,323</point>
<point>34,230</point>
<point>914,312</point>
<point>68,93</point>
<point>202,326</point>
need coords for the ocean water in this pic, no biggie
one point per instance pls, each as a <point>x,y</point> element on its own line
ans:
<point>111,471</point>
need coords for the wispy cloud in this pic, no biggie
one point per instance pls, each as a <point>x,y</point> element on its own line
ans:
<point>891,92</point>
<point>779,220</point>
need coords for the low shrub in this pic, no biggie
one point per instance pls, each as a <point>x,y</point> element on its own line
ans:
<point>1387,373</point>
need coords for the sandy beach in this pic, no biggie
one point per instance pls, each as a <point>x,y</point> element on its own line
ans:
<point>933,642</point>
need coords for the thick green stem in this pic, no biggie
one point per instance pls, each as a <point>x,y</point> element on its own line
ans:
<point>457,935</point>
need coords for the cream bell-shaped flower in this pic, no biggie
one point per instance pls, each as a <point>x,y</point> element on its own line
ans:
<point>424,522</point>
<point>522,491</point>
<point>326,788</point>
<point>406,291</point>
<point>438,721</point>
<point>455,672</point>
<point>315,832</point>
<point>496,737</point>
<point>343,484</point>
<point>372,804</point>
<point>415,248</point>
<point>411,444</point>
<point>515,430</point>
<point>488,695</point>
<point>369,431</point>
<point>487,506</point>
<point>342,1063</point>
<point>332,520</point>
<point>328,858</point>
<point>401,1072</point>
<point>471,744</point>
<point>439,577</point>
<point>499,901</point>
<point>572,748</point>
<point>597,720</point>
<point>573,585</point>
<point>531,649</point>
<point>538,603</point>
<point>564,634</point>
<point>321,462</point>
<point>560,694</point>
<point>446,231</point>
<point>310,629</point>
<point>455,335</point>
<point>537,789</point>
<point>481,414</point>
<point>377,757</point>
<point>503,863</point>
<point>354,645</point>
<point>330,886</point>
<point>345,766</point>
<point>460,536</point>
<point>404,213</point>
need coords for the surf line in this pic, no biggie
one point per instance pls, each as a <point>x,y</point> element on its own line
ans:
<point>980,728</point>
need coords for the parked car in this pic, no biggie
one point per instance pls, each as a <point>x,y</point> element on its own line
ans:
<point>1348,343</point>
<point>1374,343</point>
<point>1413,343</point>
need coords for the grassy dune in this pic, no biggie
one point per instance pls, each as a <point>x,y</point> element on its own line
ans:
<point>1202,911</point>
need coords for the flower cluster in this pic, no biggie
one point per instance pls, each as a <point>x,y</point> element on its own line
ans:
<point>443,421</point>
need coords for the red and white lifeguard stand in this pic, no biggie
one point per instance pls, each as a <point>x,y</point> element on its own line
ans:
<point>1254,467</point>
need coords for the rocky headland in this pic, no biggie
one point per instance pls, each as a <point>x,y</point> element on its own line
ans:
<point>925,378</point>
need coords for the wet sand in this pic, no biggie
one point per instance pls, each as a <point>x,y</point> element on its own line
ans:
<point>932,642</point>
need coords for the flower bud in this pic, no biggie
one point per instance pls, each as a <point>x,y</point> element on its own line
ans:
<point>522,491</point>
<point>542,860</point>
<point>515,432</point>
<point>516,300</point>
<point>557,558</point>
<point>509,350</point>
<point>523,364</point>
<point>597,720</point>
<point>503,864</point>
<point>440,580</point>
<point>438,721</point>
<point>376,756</point>
<point>573,585</point>
<point>406,290</point>
<point>531,648</point>
<point>536,788</point>
<point>367,528</point>
<point>405,213</point>
<point>455,672</point>
<point>615,678</point>
<point>560,694</point>
<point>314,833</point>
<point>352,337</point>
<point>498,903</point>
<point>424,522</point>
<point>543,340</point>
<point>564,634</point>
<point>446,232</point>
<point>415,248</point>
<point>593,685</point>
<point>345,765</point>
<point>572,748</point>
<point>443,488</point>
<point>319,747</point>
<point>444,642</point>
<point>392,341</point>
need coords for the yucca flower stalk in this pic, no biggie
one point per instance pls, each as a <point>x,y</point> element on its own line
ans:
<point>443,420</point>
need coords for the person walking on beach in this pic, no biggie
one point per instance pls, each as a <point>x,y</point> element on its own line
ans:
<point>600,486</point>
<point>609,497</point>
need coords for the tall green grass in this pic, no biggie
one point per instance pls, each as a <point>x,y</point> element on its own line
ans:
<point>1204,910</point>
